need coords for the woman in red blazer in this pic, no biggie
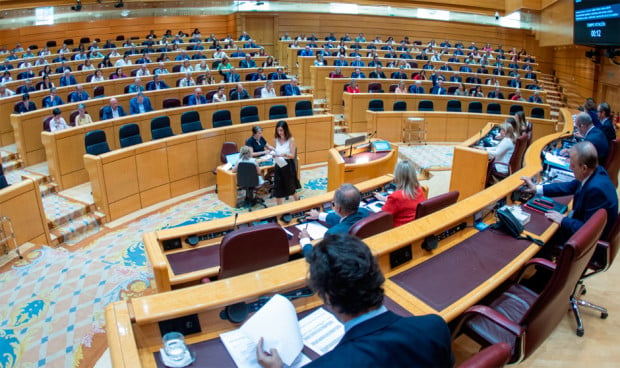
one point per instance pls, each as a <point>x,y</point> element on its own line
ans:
<point>402,204</point>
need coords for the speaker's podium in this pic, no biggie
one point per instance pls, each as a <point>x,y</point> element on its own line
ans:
<point>359,159</point>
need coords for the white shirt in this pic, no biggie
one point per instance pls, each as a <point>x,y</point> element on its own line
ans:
<point>187,82</point>
<point>217,98</point>
<point>59,124</point>
<point>264,93</point>
<point>502,153</point>
<point>143,73</point>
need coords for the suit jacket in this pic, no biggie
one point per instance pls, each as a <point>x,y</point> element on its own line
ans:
<point>338,226</point>
<point>492,94</point>
<point>192,100</point>
<point>275,76</point>
<point>21,107</point>
<point>291,91</point>
<point>230,77</point>
<point>514,83</point>
<point>607,126</point>
<point>106,113</point>
<point>375,75</point>
<point>70,81</point>
<point>438,90</point>
<point>535,99</point>
<point>49,102</point>
<point>134,107</point>
<point>389,340</point>
<point>234,95</point>
<point>247,64</point>
<point>599,140</point>
<point>398,75</point>
<point>598,192</point>
<point>76,96</point>
<point>415,89</point>
<point>151,86</point>
<point>339,62</point>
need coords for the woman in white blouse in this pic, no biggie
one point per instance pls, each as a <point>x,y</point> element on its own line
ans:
<point>503,151</point>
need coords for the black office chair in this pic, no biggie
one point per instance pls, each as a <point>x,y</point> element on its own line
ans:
<point>475,107</point>
<point>303,108</point>
<point>249,114</point>
<point>426,105</point>
<point>375,105</point>
<point>515,108</point>
<point>538,112</point>
<point>454,106</point>
<point>221,118</point>
<point>96,143</point>
<point>190,122</point>
<point>278,112</point>
<point>3,182</point>
<point>129,135</point>
<point>494,108</point>
<point>160,127</point>
<point>400,106</point>
<point>247,178</point>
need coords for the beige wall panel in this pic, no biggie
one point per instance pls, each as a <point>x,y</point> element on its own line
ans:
<point>152,167</point>
<point>184,186</point>
<point>121,178</point>
<point>155,195</point>
<point>124,206</point>
<point>182,159</point>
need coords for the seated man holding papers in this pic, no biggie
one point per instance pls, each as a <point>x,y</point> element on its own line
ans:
<point>344,273</point>
<point>346,212</point>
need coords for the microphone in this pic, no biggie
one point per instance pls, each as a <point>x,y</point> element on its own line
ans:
<point>370,135</point>
<point>235,222</point>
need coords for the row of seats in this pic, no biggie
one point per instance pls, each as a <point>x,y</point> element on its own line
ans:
<point>129,134</point>
<point>455,106</point>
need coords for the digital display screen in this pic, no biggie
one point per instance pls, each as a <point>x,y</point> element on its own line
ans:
<point>597,22</point>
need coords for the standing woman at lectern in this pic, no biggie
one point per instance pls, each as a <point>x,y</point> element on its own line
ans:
<point>402,204</point>
<point>285,180</point>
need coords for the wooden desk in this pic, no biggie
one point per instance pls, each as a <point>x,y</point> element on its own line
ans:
<point>155,243</point>
<point>128,179</point>
<point>362,165</point>
<point>356,105</point>
<point>27,127</point>
<point>133,333</point>
<point>444,126</point>
<point>227,190</point>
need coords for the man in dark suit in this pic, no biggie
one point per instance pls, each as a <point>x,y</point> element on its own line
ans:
<point>248,62</point>
<point>346,213</point>
<point>496,93</point>
<point>278,75</point>
<point>27,87</point>
<point>26,105</point>
<point>230,76</point>
<point>607,126</point>
<point>592,190</point>
<point>377,73</point>
<point>345,274</point>
<point>197,98</point>
<point>291,89</point>
<point>78,95</point>
<point>399,74</point>
<point>156,84</point>
<point>416,88</point>
<point>113,110</point>
<point>53,99</point>
<point>594,135</point>
<point>140,104</point>
<point>439,89</point>
<point>239,93</point>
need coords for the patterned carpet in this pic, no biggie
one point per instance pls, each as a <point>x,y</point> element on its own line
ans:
<point>57,296</point>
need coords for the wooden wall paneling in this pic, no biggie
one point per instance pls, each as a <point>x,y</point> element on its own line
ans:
<point>21,203</point>
<point>557,25</point>
<point>469,168</point>
<point>575,72</point>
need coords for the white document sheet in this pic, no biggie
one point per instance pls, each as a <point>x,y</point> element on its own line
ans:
<point>315,230</point>
<point>321,331</point>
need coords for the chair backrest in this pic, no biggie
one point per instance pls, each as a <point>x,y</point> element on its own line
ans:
<point>426,105</point>
<point>51,43</point>
<point>278,112</point>
<point>400,106</point>
<point>99,91</point>
<point>46,124</point>
<point>372,224</point>
<point>515,108</point>
<point>129,134</point>
<point>454,106</point>
<point>550,306</point>
<point>176,69</point>
<point>538,112</point>
<point>221,118</point>
<point>247,177</point>
<point>375,87</point>
<point>393,87</point>
<point>303,108</point>
<point>85,40</point>
<point>436,203</point>
<point>72,117</point>
<point>169,103</point>
<point>96,143</point>
<point>475,107</point>
<point>494,108</point>
<point>613,161</point>
<point>249,114</point>
<point>190,121</point>
<point>228,148</point>
<point>451,90</point>
<point>516,160</point>
<point>160,127</point>
<point>494,356</point>
<point>253,248</point>
<point>375,105</point>
<point>257,92</point>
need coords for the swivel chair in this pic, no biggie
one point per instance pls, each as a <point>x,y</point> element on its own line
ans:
<point>436,203</point>
<point>129,135</point>
<point>190,122</point>
<point>221,118</point>
<point>249,114</point>
<point>375,105</point>
<point>160,127</point>
<point>372,224</point>
<point>95,142</point>
<point>278,112</point>
<point>247,179</point>
<point>303,108</point>
<point>495,356</point>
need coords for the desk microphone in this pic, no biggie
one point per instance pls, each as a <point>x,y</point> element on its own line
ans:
<point>235,222</point>
<point>370,135</point>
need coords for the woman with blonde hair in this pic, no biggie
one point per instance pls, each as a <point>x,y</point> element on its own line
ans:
<point>402,204</point>
<point>503,151</point>
<point>245,155</point>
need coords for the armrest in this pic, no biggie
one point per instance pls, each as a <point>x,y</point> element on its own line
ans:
<point>493,316</point>
<point>545,263</point>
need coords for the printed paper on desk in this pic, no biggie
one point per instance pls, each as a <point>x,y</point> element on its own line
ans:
<point>280,161</point>
<point>321,331</point>
<point>276,322</point>
<point>315,230</point>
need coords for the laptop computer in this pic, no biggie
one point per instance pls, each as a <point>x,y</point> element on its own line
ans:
<point>232,159</point>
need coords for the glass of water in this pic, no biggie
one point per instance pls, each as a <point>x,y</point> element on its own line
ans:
<point>174,346</point>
